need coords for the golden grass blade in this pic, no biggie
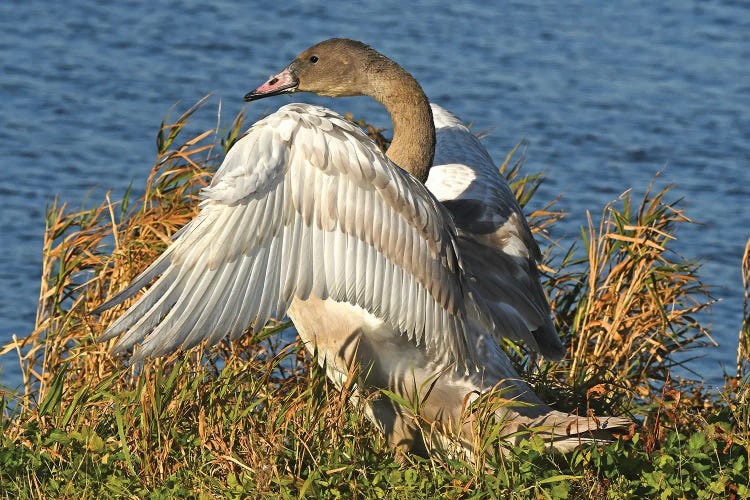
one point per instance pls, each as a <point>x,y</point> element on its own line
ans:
<point>743,347</point>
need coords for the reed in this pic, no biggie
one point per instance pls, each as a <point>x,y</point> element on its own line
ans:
<point>632,308</point>
<point>743,346</point>
<point>256,417</point>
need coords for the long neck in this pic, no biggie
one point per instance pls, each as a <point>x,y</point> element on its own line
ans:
<point>413,144</point>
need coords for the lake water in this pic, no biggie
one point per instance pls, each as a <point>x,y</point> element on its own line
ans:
<point>606,94</point>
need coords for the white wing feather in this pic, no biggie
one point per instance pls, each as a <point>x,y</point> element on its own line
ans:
<point>495,242</point>
<point>303,204</point>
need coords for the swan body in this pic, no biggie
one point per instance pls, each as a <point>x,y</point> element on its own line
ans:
<point>412,284</point>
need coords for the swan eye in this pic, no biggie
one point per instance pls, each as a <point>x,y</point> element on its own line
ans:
<point>313,59</point>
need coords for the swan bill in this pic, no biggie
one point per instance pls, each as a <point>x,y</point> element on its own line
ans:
<point>282,83</point>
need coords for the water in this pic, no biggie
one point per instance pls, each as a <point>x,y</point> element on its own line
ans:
<point>607,96</point>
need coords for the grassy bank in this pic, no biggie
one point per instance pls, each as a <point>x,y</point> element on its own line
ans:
<point>256,417</point>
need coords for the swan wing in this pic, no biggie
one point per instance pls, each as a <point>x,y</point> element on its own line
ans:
<point>304,203</point>
<point>495,242</point>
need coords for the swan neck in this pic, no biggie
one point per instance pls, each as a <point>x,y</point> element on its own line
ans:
<point>413,144</point>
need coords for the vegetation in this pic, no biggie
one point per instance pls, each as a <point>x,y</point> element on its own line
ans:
<point>257,418</point>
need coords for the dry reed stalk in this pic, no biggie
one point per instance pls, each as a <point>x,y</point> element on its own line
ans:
<point>632,306</point>
<point>743,346</point>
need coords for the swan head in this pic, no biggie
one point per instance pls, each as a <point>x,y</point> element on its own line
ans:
<point>341,67</point>
<point>333,68</point>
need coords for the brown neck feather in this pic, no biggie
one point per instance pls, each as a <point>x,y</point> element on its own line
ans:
<point>413,145</point>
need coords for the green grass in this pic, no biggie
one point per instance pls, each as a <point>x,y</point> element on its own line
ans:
<point>256,418</point>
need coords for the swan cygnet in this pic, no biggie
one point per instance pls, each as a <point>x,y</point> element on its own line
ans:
<point>408,265</point>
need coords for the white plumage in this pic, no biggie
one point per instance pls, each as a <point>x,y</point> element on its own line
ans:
<point>412,283</point>
<point>304,204</point>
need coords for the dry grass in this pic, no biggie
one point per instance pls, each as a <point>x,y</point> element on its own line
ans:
<point>636,307</point>
<point>626,307</point>
<point>257,416</point>
<point>743,347</point>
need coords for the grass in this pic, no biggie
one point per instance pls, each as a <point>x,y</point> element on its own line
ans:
<point>257,418</point>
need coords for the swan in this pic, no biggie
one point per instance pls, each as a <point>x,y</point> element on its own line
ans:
<point>407,270</point>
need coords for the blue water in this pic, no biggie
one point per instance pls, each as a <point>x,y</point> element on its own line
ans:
<point>606,95</point>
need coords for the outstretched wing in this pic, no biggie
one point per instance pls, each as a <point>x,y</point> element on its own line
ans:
<point>495,242</point>
<point>303,204</point>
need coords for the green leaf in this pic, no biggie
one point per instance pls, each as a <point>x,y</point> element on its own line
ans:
<point>54,392</point>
